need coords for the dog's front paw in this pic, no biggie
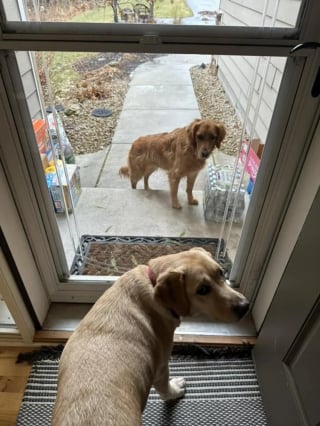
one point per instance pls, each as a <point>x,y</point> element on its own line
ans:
<point>193,202</point>
<point>176,206</point>
<point>176,389</point>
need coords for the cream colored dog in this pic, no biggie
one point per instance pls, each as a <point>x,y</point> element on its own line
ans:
<point>122,346</point>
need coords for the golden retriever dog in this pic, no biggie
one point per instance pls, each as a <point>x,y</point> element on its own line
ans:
<point>182,152</point>
<point>122,346</point>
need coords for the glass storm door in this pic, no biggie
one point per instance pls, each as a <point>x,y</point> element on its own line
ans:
<point>60,71</point>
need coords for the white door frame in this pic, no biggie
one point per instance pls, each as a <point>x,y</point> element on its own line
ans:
<point>14,234</point>
<point>287,349</point>
<point>303,197</point>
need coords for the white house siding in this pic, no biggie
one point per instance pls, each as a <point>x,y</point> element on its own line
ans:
<point>249,12</point>
<point>12,10</point>
<point>25,62</point>
<point>237,72</point>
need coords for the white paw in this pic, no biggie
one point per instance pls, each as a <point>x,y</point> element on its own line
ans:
<point>176,389</point>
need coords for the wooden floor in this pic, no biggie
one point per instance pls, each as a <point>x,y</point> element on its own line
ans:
<point>13,379</point>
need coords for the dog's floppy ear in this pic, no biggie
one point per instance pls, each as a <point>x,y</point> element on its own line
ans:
<point>222,134</point>
<point>192,128</point>
<point>170,291</point>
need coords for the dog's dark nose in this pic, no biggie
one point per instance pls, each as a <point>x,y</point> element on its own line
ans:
<point>205,154</point>
<point>241,308</point>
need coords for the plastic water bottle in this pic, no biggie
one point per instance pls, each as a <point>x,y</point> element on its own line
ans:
<point>68,154</point>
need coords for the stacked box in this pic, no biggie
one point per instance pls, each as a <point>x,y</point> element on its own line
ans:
<point>42,137</point>
<point>56,190</point>
<point>217,188</point>
<point>44,161</point>
<point>43,141</point>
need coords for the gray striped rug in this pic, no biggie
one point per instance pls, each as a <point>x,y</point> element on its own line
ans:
<point>219,392</point>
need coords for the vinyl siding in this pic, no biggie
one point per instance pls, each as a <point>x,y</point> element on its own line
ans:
<point>237,72</point>
<point>24,60</point>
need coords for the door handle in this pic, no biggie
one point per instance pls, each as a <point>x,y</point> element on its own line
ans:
<point>315,91</point>
<point>306,45</point>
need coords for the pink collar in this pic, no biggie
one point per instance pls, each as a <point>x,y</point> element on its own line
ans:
<point>151,276</point>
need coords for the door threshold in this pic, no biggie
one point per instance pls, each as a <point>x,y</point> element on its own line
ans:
<point>63,318</point>
<point>61,337</point>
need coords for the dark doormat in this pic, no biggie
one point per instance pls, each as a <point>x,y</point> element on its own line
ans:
<point>222,389</point>
<point>114,255</point>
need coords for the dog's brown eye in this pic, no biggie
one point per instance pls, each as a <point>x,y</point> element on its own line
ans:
<point>203,290</point>
<point>200,137</point>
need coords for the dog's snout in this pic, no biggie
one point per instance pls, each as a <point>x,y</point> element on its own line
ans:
<point>241,308</point>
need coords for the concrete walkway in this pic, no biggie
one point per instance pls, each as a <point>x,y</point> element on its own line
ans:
<point>160,98</point>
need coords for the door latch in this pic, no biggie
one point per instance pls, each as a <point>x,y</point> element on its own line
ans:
<point>315,91</point>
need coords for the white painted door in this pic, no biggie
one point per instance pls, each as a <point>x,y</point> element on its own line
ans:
<point>287,352</point>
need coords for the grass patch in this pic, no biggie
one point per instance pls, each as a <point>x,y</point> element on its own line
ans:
<point>62,75</point>
<point>99,14</point>
<point>176,9</point>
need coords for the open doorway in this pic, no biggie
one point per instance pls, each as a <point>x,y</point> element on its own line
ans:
<point>94,109</point>
<point>253,75</point>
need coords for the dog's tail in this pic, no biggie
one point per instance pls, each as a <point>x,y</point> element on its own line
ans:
<point>124,171</point>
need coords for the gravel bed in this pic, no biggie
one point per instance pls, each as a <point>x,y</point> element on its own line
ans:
<point>89,134</point>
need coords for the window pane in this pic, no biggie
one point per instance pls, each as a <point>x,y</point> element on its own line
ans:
<point>254,13</point>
